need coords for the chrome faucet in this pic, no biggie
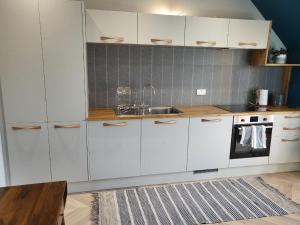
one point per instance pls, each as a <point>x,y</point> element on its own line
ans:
<point>144,88</point>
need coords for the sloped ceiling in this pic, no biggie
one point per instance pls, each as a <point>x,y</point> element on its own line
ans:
<point>285,15</point>
<point>286,18</point>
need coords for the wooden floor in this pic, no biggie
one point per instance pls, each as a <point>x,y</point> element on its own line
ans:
<point>78,206</point>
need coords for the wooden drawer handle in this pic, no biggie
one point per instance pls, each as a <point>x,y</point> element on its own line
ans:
<point>292,117</point>
<point>117,39</point>
<point>67,126</point>
<point>211,121</point>
<point>247,43</point>
<point>34,127</point>
<point>165,122</point>
<point>123,124</point>
<point>291,128</point>
<point>167,41</point>
<point>212,43</point>
<point>290,140</point>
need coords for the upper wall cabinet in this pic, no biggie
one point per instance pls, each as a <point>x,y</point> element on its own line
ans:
<point>161,29</point>
<point>206,32</point>
<point>21,65</point>
<point>111,26</point>
<point>248,34</point>
<point>63,53</point>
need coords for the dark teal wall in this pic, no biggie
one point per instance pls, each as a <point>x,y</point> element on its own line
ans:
<point>285,15</point>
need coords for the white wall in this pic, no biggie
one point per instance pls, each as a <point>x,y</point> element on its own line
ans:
<point>238,9</point>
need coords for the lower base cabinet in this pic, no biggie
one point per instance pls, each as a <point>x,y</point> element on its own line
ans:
<point>285,150</point>
<point>209,143</point>
<point>164,145</point>
<point>68,151</point>
<point>114,149</point>
<point>28,153</point>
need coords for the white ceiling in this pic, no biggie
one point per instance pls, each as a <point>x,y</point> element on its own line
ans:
<point>210,8</point>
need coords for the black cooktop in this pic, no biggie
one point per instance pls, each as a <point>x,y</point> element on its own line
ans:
<point>242,108</point>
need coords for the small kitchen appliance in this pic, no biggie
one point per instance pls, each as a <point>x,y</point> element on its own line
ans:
<point>262,97</point>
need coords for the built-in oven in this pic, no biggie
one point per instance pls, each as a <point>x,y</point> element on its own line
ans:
<point>239,150</point>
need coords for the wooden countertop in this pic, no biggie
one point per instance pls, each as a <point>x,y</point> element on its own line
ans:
<point>33,204</point>
<point>188,111</point>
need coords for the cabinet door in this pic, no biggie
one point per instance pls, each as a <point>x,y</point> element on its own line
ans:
<point>114,149</point>
<point>21,65</point>
<point>28,151</point>
<point>164,146</point>
<point>209,143</point>
<point>248,34</point>
<point>206,32</point>
<point>62,39</point>
<point>111,26</point>
<point>160,29</point>
<point>68,151</point>
<point>285,150</point>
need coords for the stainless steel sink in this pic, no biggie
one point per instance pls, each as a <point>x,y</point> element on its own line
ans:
<point>160,110</point>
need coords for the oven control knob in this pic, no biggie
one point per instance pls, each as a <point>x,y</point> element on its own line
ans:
<point>265,119</point>
<point>242,120</point>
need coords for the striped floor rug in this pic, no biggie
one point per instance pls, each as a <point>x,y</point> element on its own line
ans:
<point>190,203</point>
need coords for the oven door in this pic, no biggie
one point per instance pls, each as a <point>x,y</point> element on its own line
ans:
<point>239,151</point>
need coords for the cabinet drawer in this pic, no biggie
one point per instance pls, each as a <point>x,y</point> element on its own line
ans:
<point>285,150</point>
<point>114,149</point>
<point>286,130</point>
<point>164,145</point>
<point>287,119</point>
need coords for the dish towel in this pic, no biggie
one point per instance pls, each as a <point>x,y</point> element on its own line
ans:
<point>246,133</point>
<point>258,137</point>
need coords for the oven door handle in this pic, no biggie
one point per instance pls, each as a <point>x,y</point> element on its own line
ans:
<point>267,127</point>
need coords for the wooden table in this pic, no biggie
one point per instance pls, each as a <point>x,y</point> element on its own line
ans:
<point>35,204</point>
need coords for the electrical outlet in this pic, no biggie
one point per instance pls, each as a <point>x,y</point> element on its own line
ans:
<point>201,91</point>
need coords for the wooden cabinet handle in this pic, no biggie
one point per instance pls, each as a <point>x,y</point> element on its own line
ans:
<point>292,117</point>
<point>167,41</point>
<point>117,39</point>
<point>290,140</point>
<point>67,126</point>
<point>164,122</point>
<point>247,43</point>
<point>212,43</point>
<point>34,127</point>
<point>211,120</point>
<point>123,124</point>
<point>291,128</point>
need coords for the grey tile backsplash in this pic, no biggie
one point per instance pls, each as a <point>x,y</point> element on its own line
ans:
<point>176,73</point>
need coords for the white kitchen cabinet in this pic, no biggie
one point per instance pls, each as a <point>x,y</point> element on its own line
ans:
<point>285,146</point>
<point>209,143</point>
<point>248,34</point>
<point>285,150</point>
<point>206,32</point>
<point>68,151</point>
<point>164,145</point>
<point>28,153</point>
<point>111,26</point>
<point>21,65</point>
<point>63,54</point>
<point>114,149</point>
<point>160,29</point>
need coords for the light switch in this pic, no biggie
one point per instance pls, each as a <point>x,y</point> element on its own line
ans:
<point>201,91</point>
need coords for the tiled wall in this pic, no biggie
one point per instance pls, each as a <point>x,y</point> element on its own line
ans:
<point>176,73</point>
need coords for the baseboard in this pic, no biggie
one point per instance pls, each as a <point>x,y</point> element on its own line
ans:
<point>179,177</point>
